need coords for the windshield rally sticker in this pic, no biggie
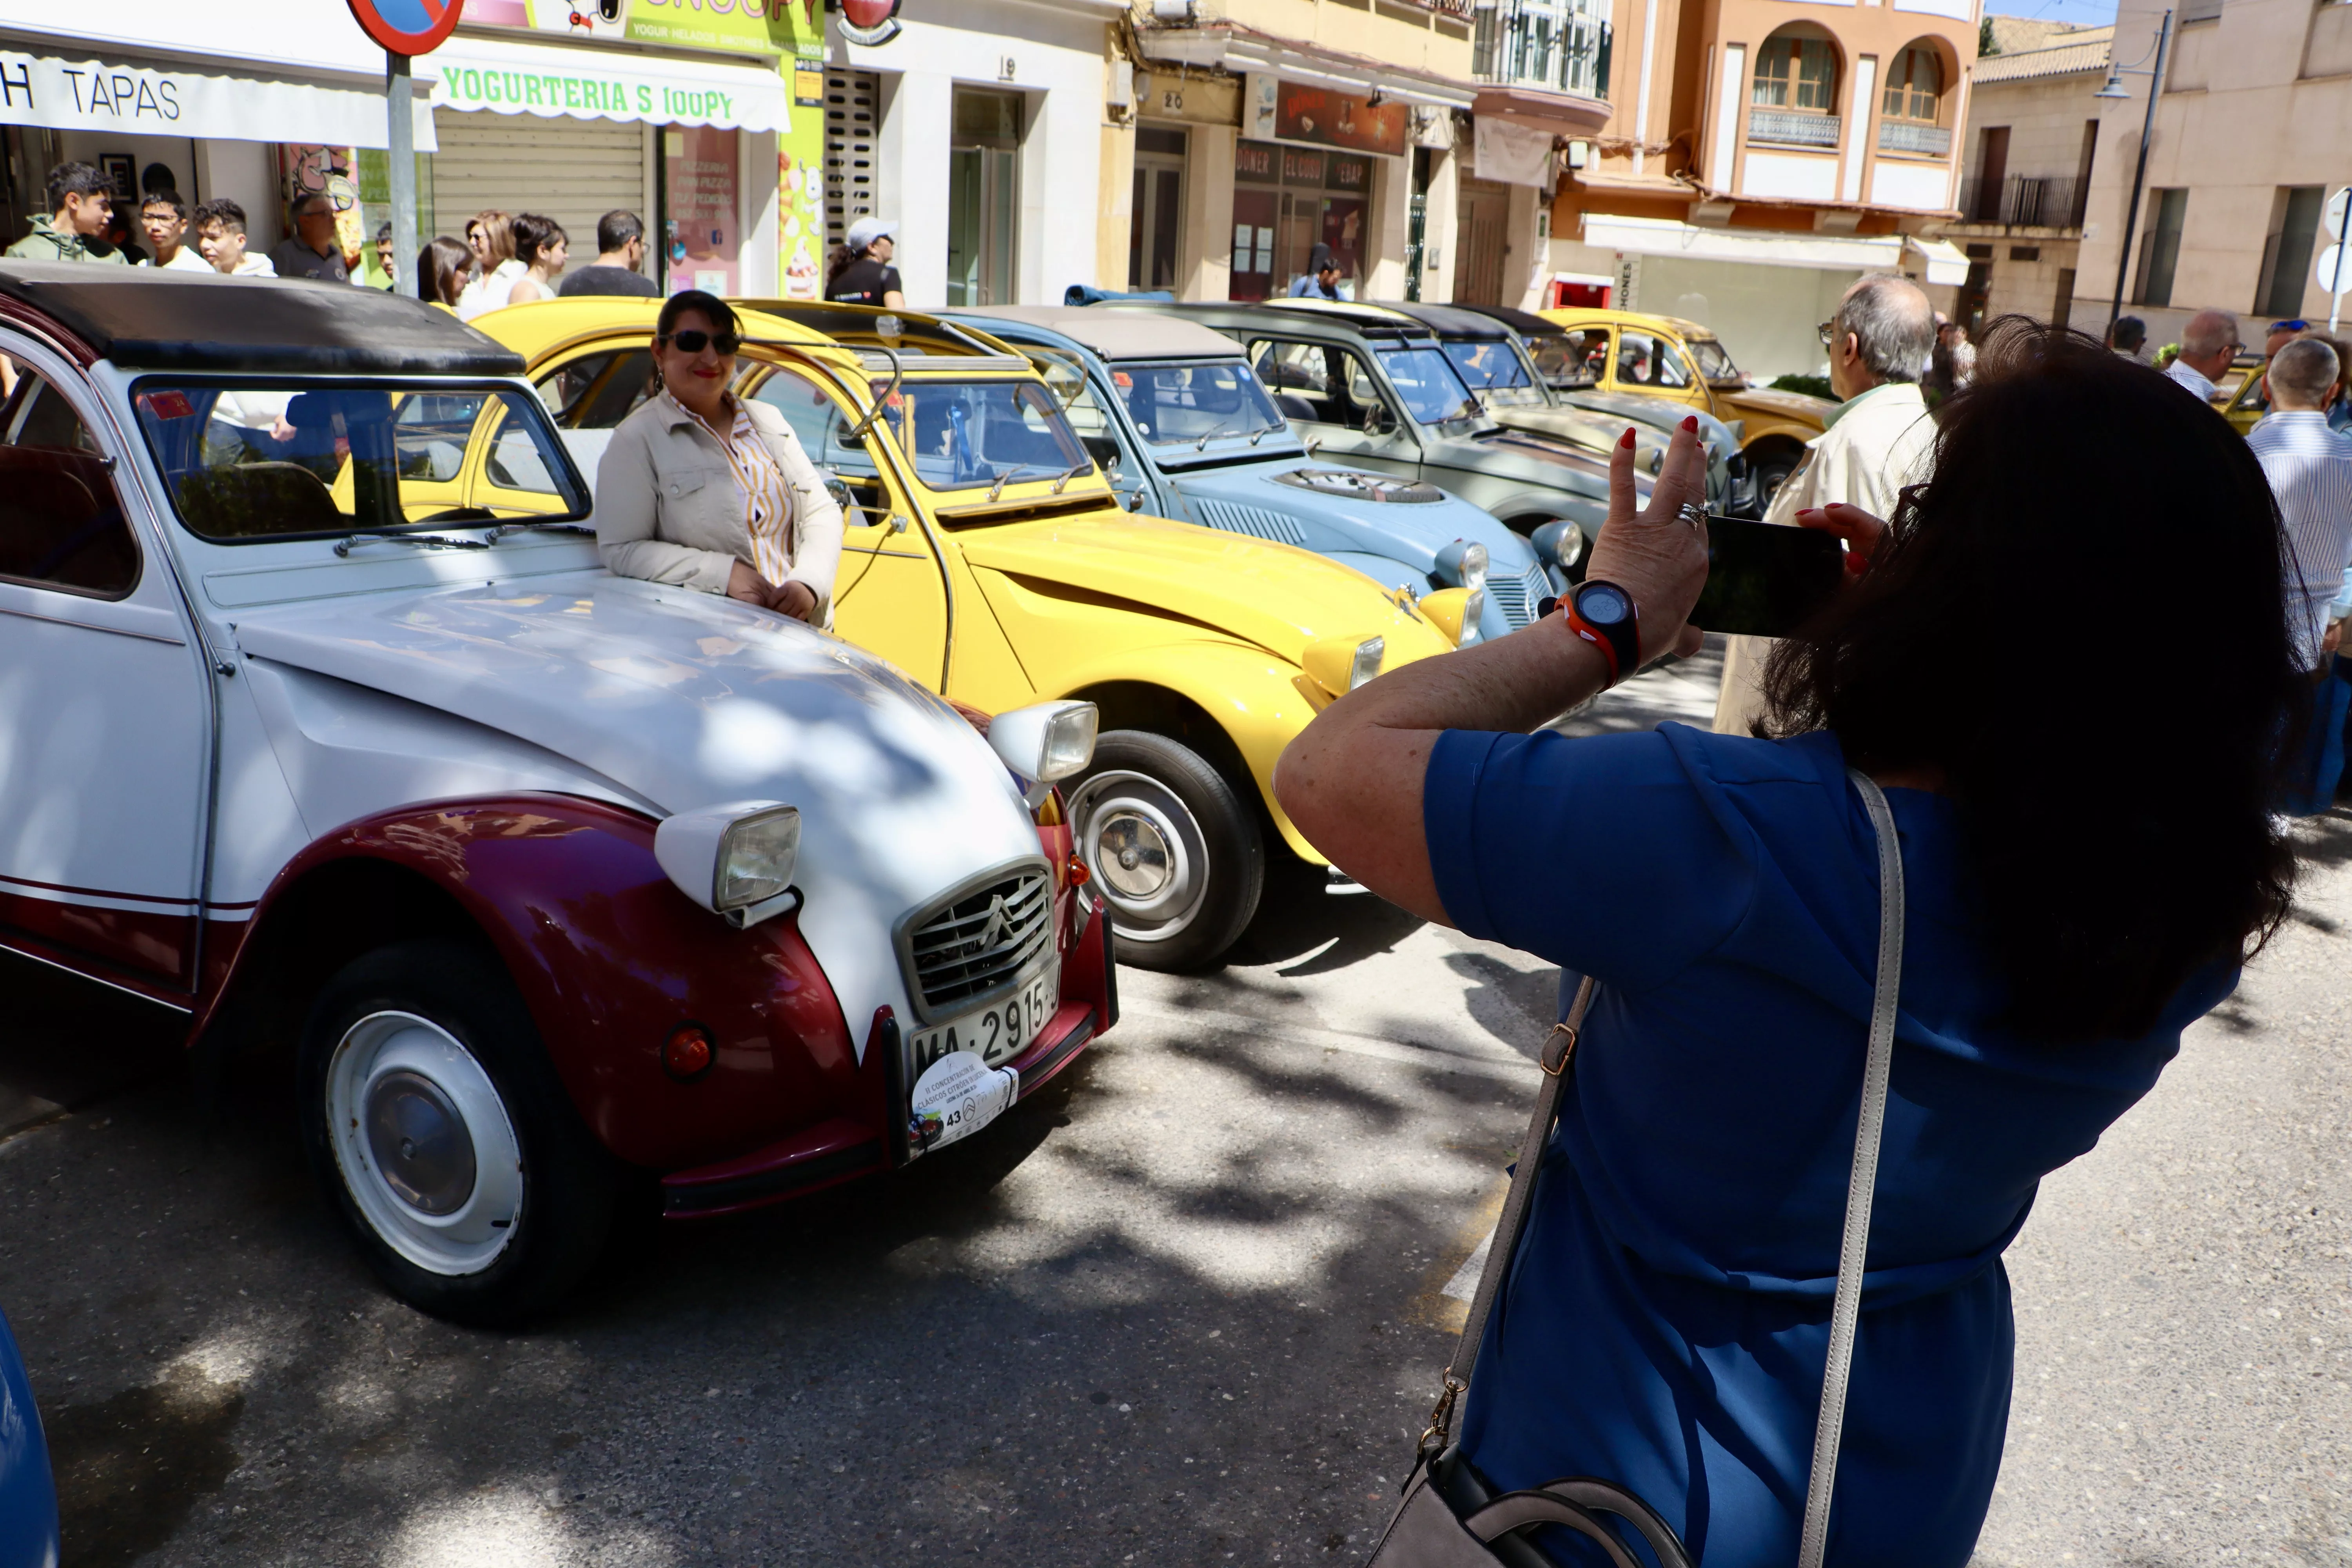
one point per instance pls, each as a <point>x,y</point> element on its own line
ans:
<point>957,1095</point>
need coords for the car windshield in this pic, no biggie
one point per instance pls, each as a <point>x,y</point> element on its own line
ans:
<point>1713,364</point>
<point>247,460</point>
<point>1193,403</point>
<point>963,433</point>
<point>1494,369</point>
<point>1424,378</point>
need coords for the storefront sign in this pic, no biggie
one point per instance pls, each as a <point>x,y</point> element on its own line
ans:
<point>1257,163</point>
<point>1293,112</point>
<point>1353,175</point>
<point>733,27</point>
<point>515,79</point>
<point>1301,168</point>
<point>153,100</point>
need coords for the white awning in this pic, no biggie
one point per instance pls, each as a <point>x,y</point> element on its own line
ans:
<point>1665,236</point>
<point>152,97</point>
<point>1947,263</point>
<point>606,84</point>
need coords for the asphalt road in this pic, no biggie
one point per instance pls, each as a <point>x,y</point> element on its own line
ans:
<point>1185,1307</point>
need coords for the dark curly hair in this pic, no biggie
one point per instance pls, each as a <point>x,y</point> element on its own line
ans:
<point>2117,807</point>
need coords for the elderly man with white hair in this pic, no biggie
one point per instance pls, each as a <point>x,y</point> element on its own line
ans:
<point>2208,344</point>
<point>2309,467</point>
<point>1878,440</point>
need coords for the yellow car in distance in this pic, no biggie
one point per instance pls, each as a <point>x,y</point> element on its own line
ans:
<point>988,558</point>
<point>1666,356</point>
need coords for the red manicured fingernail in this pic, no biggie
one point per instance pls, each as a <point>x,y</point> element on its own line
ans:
<point>1691,423</point>
<point>1856,562</point>
<point>1809,511</point>
<point>1627,439</point>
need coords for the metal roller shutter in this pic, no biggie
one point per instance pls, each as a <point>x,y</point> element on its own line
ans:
<point>853,127</point>
<point>573,171</point>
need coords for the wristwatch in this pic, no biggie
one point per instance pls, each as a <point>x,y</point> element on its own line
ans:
<point>1605,615</point>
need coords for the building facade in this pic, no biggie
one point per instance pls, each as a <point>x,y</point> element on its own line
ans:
<point>2252,123</point>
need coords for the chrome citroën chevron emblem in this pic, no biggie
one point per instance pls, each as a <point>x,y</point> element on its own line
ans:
<point>998,920</point>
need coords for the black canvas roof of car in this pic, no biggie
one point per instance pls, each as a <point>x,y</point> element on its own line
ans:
<point>1451,321</point>
<point>149,319</point>
<point>861,326</point>
<point>1527,323</point>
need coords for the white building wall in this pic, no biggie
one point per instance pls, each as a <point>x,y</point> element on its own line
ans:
<point>1765,315</point>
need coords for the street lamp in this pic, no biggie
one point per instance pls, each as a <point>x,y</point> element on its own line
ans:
<point>2115,89</point>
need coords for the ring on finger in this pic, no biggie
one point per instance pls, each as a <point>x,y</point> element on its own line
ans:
<point>1691,512</point>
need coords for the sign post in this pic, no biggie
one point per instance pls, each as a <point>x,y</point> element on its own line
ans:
<point>405,28</point>
<point>2332,269</point>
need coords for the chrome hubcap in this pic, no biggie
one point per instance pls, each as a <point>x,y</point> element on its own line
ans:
<point>424,1143</point>
<point>1148,853</point>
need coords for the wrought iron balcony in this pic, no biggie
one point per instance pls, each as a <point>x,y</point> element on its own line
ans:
<point>1559,46</point>
<point>1792,128</point>
<point>1906,136</point>
<point>2025,201</point>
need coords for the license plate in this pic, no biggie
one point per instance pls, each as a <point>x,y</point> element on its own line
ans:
<point>996,1034</point>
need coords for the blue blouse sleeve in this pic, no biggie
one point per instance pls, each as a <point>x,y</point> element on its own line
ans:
<point>1614,855</point>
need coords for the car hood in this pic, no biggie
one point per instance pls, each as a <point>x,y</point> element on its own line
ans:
<point>1801,405</point>
<point>689,699</point>
<point>1274,595</point>
<point>1529,459</point>
<point>1408,532</point>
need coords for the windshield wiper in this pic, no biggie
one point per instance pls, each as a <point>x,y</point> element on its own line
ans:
<point>351,541</point>
<point>552,525</point>
<point>1062,483</point>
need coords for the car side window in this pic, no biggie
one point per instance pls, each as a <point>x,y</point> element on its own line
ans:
<point>61,522</point>
<point>1646,359</point>
<point>817,420</point>
<point>1588,355</point>
<point>596,392</point>
<point>1314,382</point>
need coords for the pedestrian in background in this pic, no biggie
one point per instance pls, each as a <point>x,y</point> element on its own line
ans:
<point>1877,440</point>
<point>542,247</point>
<point>2128,337</point>
<point>1951,363</point>
<point>81,204</point>
<point>313,250</point>
<point>164,216</point>
<point>861,273</point>
<point>220,236</point>
<point>385,261</point>
<point>620,260</point>
<point>2208,344</point>
<point>2309,468</point>
<point>1665,1318</point>
<point>491,234</point>
<point>444,267</point>
<point>1321,279</point>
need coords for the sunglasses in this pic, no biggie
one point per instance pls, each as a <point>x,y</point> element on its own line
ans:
<point>693,342</point>
<point>2289,327</point>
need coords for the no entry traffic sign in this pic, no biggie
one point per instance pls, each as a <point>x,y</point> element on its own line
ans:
<point>407,27</point>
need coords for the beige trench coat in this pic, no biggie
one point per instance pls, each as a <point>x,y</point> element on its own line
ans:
<point>667,509</point>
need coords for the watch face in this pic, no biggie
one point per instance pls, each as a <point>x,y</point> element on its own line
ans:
<point>1603,605</point>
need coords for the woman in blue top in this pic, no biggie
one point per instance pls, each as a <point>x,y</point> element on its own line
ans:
<point>2086,875</point>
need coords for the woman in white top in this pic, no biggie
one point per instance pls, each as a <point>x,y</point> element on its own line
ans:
<point>542,247</point>
<point>491,236</point>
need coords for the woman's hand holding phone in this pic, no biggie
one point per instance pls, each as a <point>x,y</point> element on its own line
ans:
<point>1654,555</point>
<point>1863,532</point>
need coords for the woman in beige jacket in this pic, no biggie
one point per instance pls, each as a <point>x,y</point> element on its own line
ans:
<point>708,490</point>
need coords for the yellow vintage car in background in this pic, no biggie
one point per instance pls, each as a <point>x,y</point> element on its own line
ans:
<point>988,558</point>
<point>1666,356</point>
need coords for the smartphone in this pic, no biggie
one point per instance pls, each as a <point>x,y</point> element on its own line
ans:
<point>1766,579</point>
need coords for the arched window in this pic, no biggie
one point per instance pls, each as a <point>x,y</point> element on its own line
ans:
<point>1914,85</point>
<point>1797,68</point>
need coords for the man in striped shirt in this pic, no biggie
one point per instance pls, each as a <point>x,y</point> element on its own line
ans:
<point>2310,470</point>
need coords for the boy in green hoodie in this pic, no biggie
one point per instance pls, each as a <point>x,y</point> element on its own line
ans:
<point>81,204</point>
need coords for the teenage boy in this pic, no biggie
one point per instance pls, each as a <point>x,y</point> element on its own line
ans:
<point>163,215</point>
<point>220,235</point>
<point>81,204</point>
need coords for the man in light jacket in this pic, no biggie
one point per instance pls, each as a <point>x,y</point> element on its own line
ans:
<point>1878,440</point>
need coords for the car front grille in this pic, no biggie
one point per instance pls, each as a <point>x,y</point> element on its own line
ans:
<point>1517,597</point>
<point>978,940</point>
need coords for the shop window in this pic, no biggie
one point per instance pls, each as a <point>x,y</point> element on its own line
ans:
<point>1797,68</point>
<point>1915,85</point>
<point>61,524</point>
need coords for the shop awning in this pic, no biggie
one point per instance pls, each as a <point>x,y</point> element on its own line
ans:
<point>152,97</point>
<point>599,84</point>
<point>1664,236</point>
<point>1947,263</point>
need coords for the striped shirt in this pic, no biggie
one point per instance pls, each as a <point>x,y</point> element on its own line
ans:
<point>2309,467</point>
<point>767,503</point>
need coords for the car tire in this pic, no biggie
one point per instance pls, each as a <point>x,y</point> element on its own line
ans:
<point>1173,847</point>
<point>1771,473</point>
<point>443,1139</point>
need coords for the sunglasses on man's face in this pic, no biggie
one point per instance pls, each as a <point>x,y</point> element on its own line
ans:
<point>2288,327</point>
<point>692,341</point>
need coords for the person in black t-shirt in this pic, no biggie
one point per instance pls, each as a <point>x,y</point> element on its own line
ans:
<point>620,252</point>
<point>861,273</point>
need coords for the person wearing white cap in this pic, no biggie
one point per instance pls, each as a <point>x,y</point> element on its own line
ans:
<point>861,273</point>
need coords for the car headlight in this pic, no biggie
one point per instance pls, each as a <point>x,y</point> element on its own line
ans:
<point>1045,740</point>
<point>1559,542</point>
<point>736,861</point>
<point>1462,564</point>
<point>1456,612</point>
<point>1339,664</point>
